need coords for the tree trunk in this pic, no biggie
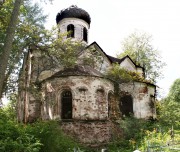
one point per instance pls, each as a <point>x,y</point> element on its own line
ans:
<point>8,43</point>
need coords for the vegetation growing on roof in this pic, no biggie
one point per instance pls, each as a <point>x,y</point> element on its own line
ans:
<point>121,75</point>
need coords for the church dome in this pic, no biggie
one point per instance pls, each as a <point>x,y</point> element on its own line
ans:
<point>73,12</point>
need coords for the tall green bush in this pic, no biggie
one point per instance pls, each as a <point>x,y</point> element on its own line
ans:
<point>52,137</point>
<point>13,137</point>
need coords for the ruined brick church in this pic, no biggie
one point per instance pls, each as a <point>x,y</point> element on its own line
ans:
<point>82,98</point>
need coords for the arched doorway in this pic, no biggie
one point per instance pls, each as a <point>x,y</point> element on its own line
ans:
<point>66,101</point>
<point>126,105</point>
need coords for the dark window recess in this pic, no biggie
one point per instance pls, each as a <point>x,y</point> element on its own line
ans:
<point>110,102</point>
<point>126,105</point>
<point>100,96</point>
<point>100,90</point>
<point>66,99</point>
<point>70,30</point>
<point>152,103</point>
<point>85,34</point>
<point>82,91</point>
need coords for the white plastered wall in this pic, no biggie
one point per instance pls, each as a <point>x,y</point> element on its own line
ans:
<point>128,65</point>
<point>79,24</point>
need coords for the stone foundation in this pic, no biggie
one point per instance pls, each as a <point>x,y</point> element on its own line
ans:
<point>92,133</point>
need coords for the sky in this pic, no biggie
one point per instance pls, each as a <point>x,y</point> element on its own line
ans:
<point>114,20</point>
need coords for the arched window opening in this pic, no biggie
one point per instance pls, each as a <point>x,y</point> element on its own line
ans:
<point>66,100</point>
<point>82,90</point>
<point>70,30</point>
<point>126,105</point>
<point>152,105</point>
<point>110,102</point>
<point>100,95</point>
<point>85,34</point>
<point>101,103</point>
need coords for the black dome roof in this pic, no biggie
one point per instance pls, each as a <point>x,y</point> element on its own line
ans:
<point>74,12</point>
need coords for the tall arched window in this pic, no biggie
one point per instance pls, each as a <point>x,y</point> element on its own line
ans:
<point>66,101</point>
<point>126,105</point>
<point>101,103</point>
<point>70,30</point>
<point>85,34</point>
<point>110,102</point>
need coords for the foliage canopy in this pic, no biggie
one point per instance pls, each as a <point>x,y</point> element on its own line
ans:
<point>29,30</point>
<point>139,47</point>
<point>174,93</point>
<point>169,108</point>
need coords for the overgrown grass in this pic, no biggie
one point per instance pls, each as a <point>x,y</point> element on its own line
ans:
<point>146,134</point>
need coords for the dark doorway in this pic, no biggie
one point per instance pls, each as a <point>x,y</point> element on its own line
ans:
<point>126,105</point>
<point>66,100</point>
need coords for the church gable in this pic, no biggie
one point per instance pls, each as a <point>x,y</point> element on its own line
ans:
<point>100,60</point>
<point>128,64</point>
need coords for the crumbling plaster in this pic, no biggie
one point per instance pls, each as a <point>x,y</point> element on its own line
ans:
<point>85,102</point>
<point>141,94</point>
<point>89,97</point>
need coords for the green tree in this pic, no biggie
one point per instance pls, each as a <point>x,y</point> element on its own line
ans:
<point>139,47</point>
<point>169,113</point>
<point>169,109</point>
<point>18,24</point>
<point>8,41</point>
<point>62,52</point>
<point>29,31</point>
<point>174,93</point>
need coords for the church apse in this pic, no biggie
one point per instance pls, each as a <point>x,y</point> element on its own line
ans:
<point>87,99</point>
